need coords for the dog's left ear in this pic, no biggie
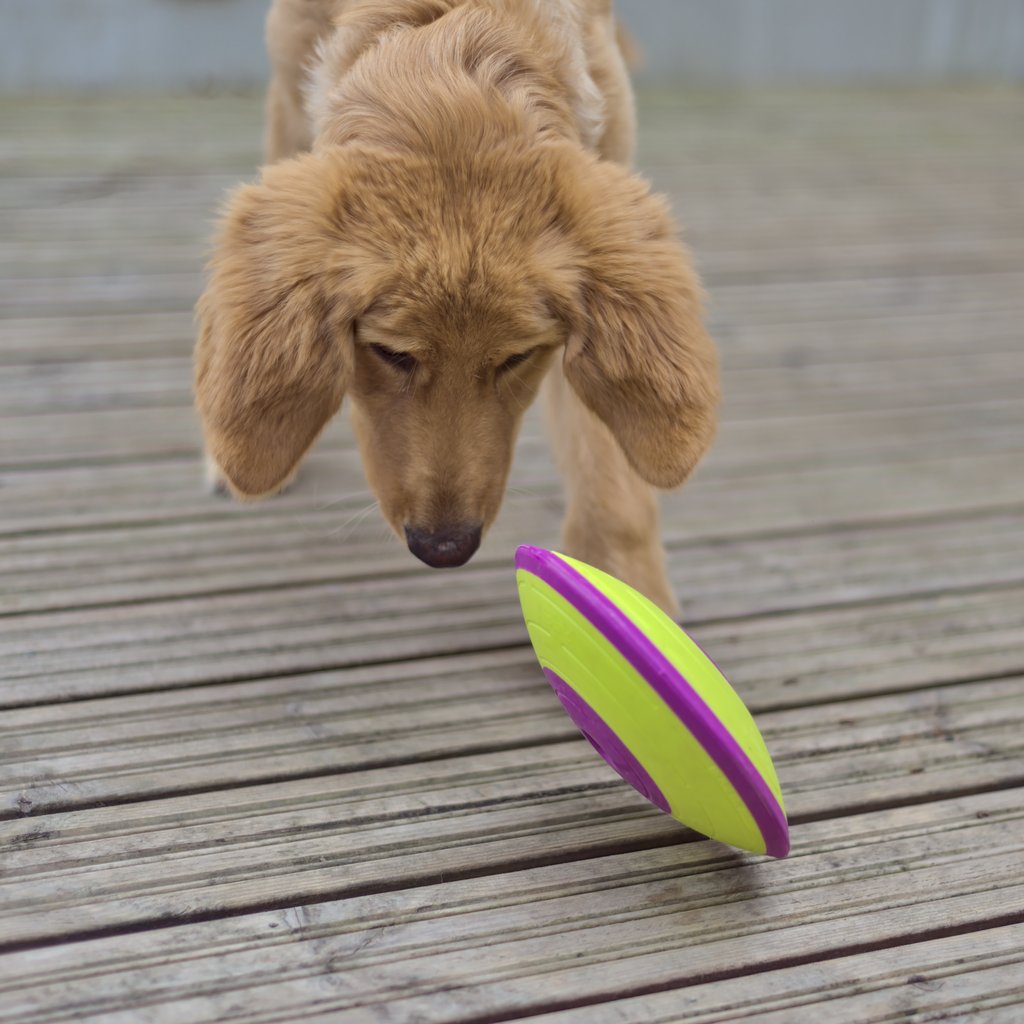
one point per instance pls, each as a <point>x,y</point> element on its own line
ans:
<point>272,356</point>
<point>638,354</point>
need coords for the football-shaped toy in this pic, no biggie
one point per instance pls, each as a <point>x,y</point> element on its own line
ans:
<point>651,702</point>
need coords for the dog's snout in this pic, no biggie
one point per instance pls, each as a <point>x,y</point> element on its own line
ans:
<point>444,548</point>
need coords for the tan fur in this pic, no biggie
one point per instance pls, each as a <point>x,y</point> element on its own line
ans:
<point>456,208</point>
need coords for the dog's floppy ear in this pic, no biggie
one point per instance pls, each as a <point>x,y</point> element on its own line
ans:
<point>272,354</point>
<point>638,354</point>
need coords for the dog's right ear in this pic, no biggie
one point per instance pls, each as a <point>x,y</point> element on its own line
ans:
<point>638,355</point>
<point>273,350</point>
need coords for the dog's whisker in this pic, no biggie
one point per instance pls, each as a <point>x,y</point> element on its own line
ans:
<point>353,521</point>
<point>343,498</point>
<point>383,531</point>
<point>357,516</point>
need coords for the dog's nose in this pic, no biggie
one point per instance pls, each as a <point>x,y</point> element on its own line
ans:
<point>445,548</point>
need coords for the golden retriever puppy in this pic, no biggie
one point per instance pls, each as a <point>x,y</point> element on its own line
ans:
<point>447,218</point>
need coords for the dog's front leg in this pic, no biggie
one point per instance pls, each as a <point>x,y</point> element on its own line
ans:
<point>612,518</point>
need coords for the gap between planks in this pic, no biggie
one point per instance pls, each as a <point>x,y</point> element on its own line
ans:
<point>621,922</point>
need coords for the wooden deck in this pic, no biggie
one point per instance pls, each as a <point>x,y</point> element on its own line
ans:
<point>259,765</point>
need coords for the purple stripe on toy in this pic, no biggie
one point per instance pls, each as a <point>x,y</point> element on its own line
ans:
<point>666,680</point>
<point>605,741</point>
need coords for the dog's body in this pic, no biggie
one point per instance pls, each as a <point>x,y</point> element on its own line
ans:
<point>464,214</point>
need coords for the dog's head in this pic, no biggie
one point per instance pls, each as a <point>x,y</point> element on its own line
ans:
<point>436,294</point>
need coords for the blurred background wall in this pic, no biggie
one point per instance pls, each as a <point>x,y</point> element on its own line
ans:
<point>182,44</point>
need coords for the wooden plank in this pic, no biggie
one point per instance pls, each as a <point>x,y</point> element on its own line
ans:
<point>330,722</point>
<point>943,251</point>
<point>977,974</point>
<point>51,560</point>
<point>50,387</point>
<point>81,499</point>
<point>523,941</point>
<point>555,794</point>
<point>797,180</point>
<point>744,446</point>
<point>405,995</point>
<point>820,132</point>
<point>773,301</point>
<point>742,343</point>
<point>56,338</point>
<point>183,559</point>
<point>82,189</point>
<point>717,216</point>
<point>78,294</point>
<point>64,440</point>
<point>727,228</point>
<point>761,393</point>
<point>751,343</point>
<point>866,298</point>
<point>371,616</point>
<point>718,578</point>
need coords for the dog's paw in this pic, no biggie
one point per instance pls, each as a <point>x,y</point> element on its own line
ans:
<point>215,481</point>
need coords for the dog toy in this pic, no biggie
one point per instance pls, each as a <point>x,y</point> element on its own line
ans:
<point>651,702</point>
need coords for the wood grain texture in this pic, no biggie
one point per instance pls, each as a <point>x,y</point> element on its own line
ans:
<point>543,935</point>
<point>882,752</point>
<point>258,765</point>
<point>974,977</point>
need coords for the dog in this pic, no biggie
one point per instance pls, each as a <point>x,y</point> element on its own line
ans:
<point>447,221</point>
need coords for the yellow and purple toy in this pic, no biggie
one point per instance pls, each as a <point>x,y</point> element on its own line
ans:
<point>651,702</point>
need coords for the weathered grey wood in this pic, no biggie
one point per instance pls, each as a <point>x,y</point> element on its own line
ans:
<point>278,729</point>
<point>230,636</point>
<point>743,344</point>
<point>42,560</point>
<point>731,505</point>
<point>761,393</point>
<point>950,252</point>
<point>61,441</point>
<point>270,717</point>
<point>719,577</point>
<point>444,951</point>
<point>749,294</point>
<point>978,974</point>
<point>348,619</point>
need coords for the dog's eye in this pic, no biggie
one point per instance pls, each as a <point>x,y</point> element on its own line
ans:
<point>400,360</point>
<point>513,361</point>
